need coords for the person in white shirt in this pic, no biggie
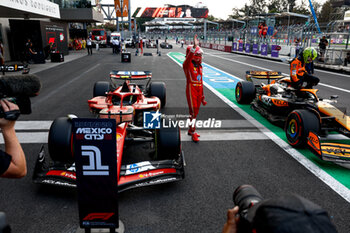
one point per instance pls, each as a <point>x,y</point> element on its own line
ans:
<point>89,45</point>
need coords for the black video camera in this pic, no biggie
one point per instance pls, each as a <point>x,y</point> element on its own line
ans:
<point>18,89</point>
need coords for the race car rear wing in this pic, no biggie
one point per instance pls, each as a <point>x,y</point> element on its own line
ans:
<point>129,75</point>
<point>334,152</point>
<point>269,75</point>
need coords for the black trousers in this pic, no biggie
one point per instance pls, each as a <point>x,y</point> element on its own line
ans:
<point>89,49</point>
<point>309,79</point>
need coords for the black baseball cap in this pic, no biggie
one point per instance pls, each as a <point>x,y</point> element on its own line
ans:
<point>290,214</point>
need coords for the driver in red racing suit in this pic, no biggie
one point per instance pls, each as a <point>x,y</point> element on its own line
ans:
<point>192,67</point>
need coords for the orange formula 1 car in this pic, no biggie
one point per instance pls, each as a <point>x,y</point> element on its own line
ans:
<point>305,117</point>
<point>145,155</point>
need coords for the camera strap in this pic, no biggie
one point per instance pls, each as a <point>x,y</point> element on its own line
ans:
<point>12,115</point>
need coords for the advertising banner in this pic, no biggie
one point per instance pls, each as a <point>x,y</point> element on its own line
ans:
<point>254,30</point>
<point>173,12</point>
<point>275,50</point>
<point>221,47</point>
<point>95,156</point>
<point>255,48</point>
<point>270,30</point>
<point>263,49</point>
<point>56,35</point>
<point>247,48</point>
<point>119,7</point>
<point>40,7</point>
<point>240,47</point>
<point>205,45</point>
<point>234,46</point>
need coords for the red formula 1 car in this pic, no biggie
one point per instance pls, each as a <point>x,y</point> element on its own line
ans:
<point>131,90</point>
<point>145,156</point>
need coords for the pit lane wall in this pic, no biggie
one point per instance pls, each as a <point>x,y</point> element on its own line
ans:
<point>219,47</point>
<point>335,59</point>
<point>248,48</point>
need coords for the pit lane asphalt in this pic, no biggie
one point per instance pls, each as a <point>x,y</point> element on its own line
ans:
<point>214,169</point>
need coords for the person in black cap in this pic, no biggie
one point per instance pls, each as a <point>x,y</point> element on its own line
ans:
<point>286,214</point>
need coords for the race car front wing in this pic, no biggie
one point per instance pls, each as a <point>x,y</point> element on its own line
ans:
<point>335,152</point>
<point>131,175</point>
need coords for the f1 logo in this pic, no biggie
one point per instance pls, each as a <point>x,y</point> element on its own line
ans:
<point>101,216</point>
<point>95,167</point>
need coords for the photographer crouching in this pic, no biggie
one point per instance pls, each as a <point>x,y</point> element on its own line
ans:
<point>286,214</point>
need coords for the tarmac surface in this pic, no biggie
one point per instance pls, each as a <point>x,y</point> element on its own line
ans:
<point>237,154</point>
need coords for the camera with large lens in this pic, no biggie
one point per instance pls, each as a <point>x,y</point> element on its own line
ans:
<point>18,89</point>
<point>246,197</point>
<point>288,213</point>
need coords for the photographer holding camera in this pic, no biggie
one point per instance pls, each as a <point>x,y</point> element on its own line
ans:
<point>285,214</point>
<point>12,160</point>
<point>15,93</point>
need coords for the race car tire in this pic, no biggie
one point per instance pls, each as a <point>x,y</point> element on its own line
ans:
<point>60,140</point>
<point>101,88</point>
<point>158,89</point>
<point>169,143</point>
<point>298,125</point>
<point>245,92</point>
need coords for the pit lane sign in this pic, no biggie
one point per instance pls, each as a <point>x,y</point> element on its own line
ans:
<point>94,148</point>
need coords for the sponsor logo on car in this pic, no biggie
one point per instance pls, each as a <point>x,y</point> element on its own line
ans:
<point>55,182</point>
<point>68,175</point>
<point>280,103</point>
<point>138,167</point>
<point>336,151</point>
<point>150,174</point>
<point>158,181</point>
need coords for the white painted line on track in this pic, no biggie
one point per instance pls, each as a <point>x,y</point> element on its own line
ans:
<point>210,135</point>
<point>30,137</point>
<point>263,68</point>
<point>318,172</point>
<point>206,135</point>
<point>58,89</point>
<point>230,130</point>
<point>173,79</point>
<point>33,125</point>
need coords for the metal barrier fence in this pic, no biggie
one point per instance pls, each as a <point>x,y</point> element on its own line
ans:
<point>291,38</point>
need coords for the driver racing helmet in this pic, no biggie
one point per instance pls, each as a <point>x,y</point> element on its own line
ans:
<point>309,54</point>
<point>198,53</point>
